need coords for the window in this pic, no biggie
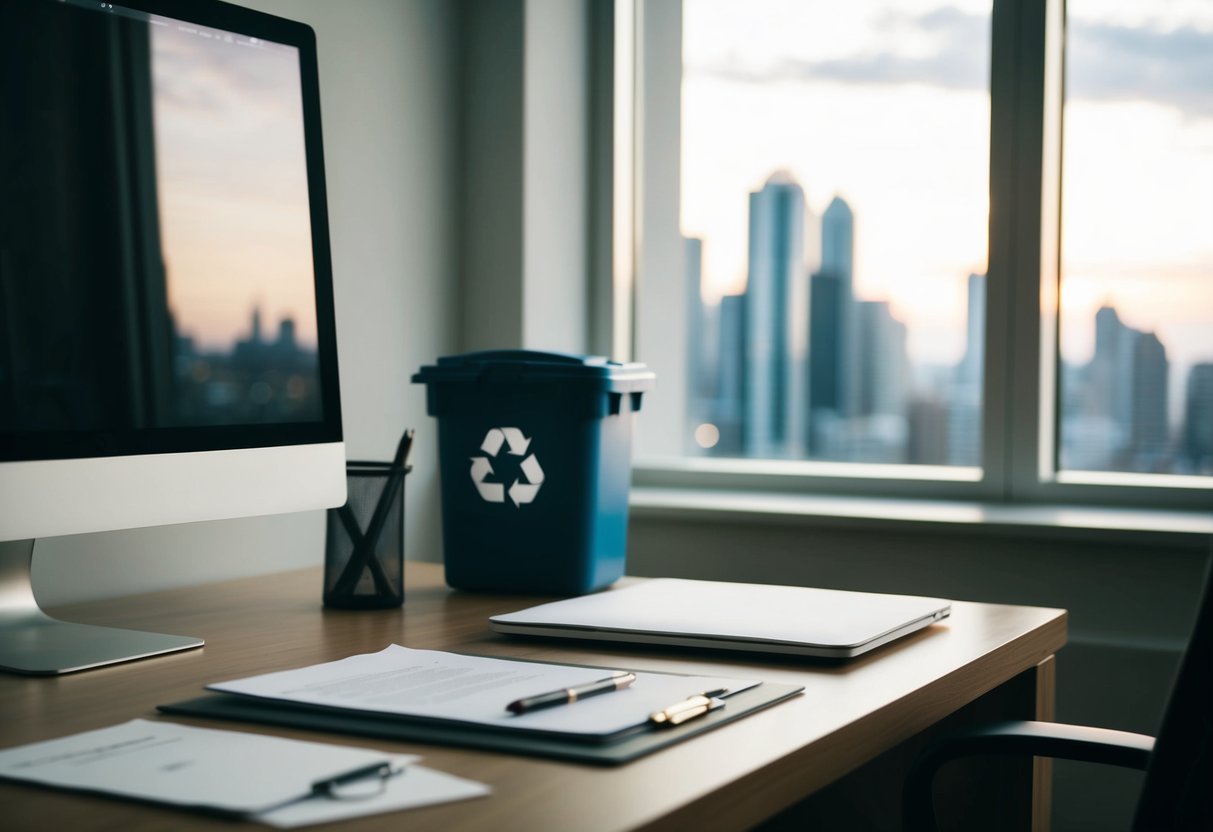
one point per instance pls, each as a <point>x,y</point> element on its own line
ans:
<point>818,214</point>
<point>834,196</point>
<point>1136,328</point>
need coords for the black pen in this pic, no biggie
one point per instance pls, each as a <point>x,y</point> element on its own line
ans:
<point>328,786</point>
<point>566,696</point>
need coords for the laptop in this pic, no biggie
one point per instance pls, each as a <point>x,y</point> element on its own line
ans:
<point>762,618</point>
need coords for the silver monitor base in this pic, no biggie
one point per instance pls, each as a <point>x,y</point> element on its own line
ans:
<point>33,643</point>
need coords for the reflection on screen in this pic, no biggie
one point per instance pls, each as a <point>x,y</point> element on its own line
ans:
<point>155,245</point>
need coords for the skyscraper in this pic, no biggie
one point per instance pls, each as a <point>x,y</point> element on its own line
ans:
<point>775,321</point>
<point>728,404</point>
<point>838,243</point>
<point>831,322</point>
<point>1111,394</point>
<point>700,370</point>
<point>880,361</point>
<point>1148,429</point>
<point>965,397</point>
<point>825,357</point>
<point>1198,419</point>
<point>969,372</point>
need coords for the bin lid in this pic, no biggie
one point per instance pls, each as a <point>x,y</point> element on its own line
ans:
<point>532,366</point>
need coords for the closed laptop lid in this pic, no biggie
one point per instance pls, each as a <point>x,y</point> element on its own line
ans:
<point>785,619</point>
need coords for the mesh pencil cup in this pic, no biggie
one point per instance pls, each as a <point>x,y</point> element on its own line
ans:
<point>364,539</point>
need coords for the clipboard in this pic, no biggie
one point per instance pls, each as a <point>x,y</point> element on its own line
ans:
<point>630,746</point>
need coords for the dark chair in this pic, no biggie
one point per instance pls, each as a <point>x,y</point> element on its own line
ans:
<point>1178,790</point>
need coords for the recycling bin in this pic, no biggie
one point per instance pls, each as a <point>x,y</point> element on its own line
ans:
<point>534,454</point>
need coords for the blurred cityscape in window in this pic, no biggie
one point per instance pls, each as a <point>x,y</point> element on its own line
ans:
<point>260,379</point>
<point>835,209</point>
<point>798,366</point>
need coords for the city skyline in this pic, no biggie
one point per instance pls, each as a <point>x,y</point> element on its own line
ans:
<point>886,105</point>
<point>799,366</point>
<point>258,379</point>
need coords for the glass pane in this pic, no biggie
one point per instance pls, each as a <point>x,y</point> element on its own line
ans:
<point>834,205</point>
<point>1136,315</point>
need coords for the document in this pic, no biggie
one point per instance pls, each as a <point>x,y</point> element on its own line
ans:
<point>431,684</point>
<point>265,778</point>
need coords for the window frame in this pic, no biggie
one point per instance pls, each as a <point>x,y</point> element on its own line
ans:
<point>1020,395</point>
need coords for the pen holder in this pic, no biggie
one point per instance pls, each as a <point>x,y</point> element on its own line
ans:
<point>364,539</point>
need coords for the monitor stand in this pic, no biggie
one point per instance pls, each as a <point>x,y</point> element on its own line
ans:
<point>33,643</point>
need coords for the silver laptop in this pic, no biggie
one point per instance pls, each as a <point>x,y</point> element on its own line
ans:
<point>761,618</point>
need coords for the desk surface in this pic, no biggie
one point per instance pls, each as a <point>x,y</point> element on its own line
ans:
<point>734,776</point>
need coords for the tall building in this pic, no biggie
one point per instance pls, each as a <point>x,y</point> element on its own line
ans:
<point>838,243</point>
<point>969,371</point>
<point>963,433</point>
<point>825,358</point>
<point>1198,419</point>
<point>728,408</point>
<point>1149,433</point>
<point>878,427</point>
<point>1097,399</point>
<point>964,397</point>
<point>286,336</point>
<point>700,369</point>
<point>880,362</point>
<point>775,323</point>
<point>831,323</point>
<point>929,425</point>
<point>1110,395</point>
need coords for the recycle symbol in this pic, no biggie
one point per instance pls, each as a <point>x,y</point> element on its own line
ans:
<point>522,491</point>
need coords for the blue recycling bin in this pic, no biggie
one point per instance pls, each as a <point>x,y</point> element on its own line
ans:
<point>534,452</point>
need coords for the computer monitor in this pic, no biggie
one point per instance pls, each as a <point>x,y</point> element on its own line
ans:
<point>167,345</point>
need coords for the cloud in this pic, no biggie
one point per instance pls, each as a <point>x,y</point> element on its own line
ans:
<point>949,48</point>
<point>952,52</point>
<point>211,77</point>
<point>1116,63</point>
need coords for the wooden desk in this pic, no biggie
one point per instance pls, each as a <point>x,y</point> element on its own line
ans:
<point>853,728</point>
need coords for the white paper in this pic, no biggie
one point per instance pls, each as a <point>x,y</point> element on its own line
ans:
<point>475,689</point>
<point>170,763</point>
<point>229,770</point>
<point>416,786</point>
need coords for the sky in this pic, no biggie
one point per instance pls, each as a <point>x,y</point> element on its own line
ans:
<point>886,104</point>
<point>234,220</point>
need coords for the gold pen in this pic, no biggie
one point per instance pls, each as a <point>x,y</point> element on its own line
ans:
<point>693,706</point>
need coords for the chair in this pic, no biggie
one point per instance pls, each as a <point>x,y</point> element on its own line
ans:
<point>1178,790</point>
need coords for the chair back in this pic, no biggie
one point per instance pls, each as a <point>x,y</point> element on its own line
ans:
<point>1178,790</point>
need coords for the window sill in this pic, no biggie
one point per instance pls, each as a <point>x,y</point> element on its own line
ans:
<point>1184,528</point>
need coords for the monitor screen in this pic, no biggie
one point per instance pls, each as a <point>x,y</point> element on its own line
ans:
<point>167,340</point>
<point>158,261</point>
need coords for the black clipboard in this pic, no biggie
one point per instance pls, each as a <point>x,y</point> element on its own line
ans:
<point>627,747</point>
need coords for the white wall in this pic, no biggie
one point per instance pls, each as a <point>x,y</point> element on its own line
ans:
<point>524,221</point>
<point>388,82</point>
